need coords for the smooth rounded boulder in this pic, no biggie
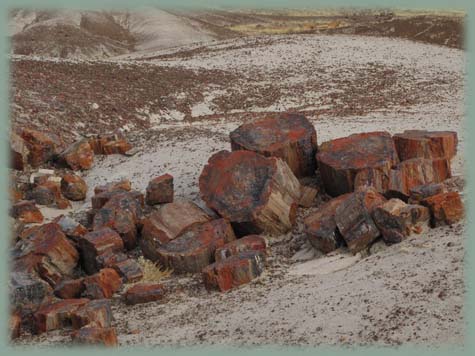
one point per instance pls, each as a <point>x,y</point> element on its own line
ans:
<point>255,193</point>
<point>290,137</point>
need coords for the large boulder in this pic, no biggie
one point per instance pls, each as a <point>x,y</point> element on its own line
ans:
<point>354,218</point>
<point>194,249</point>
<point>396,220</point>
<point>160,190</point>
<point>340,160</point>
<point>290,137</point>
<point>168,222</point>
<point>78,156</point>
<point>320,226</point>
<point>233,271</point>
<point>46,250</point>
<point>122,213</point>
<point>426,144</point>
<point>255,193</point>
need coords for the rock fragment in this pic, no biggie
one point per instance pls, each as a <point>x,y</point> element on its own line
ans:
<point>144,293</point>
<point>426,144</point>
<point>69,288</point>
<point>160,190</point>
<point>18,152</point>
<point>73,187</point>
<point>42,146</point>
<point>246,243</point>
<point>78,156</point>
<point>27,212</point>
<point>445,208</point>
<point>102,285</point>
<point>95,336</point>
<point>57,315</point>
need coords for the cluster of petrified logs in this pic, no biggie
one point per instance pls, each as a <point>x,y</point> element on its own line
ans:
<point>65,272</point>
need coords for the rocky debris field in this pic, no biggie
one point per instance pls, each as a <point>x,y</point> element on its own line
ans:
<point>240,194</point>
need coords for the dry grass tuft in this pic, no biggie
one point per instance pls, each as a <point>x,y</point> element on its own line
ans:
<point>152,271</point>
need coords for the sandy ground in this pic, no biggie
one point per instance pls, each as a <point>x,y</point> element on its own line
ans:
<point>407,293</point>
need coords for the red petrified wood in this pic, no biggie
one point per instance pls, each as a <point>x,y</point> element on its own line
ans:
<point>96,312</point>
<point>27,212</point>
<point>18,152</point>
<point>320,226</point>
<point>290,137</point>
<point>102,284</point>
<point>69,288</point>
<point>340,160</point>
<point>97,336</point>
<point>78,156</point>
<point>42,146</point>
<point>195,249</point>
<point>246,243</point>
<point>257,194</point>
<point>233,271</point>
<point>73,187</point>
<point>426,144</point>
<point>123,185</point>
<point>57,315</point>
<point>445,208</point>
<point>160,190</point>
<point>109,144</point>
<point>144,293</point>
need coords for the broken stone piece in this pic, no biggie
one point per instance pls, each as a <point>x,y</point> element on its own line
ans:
<point>144,293</point>
<point>27,212</point>
<point>426,144</point>
<point>445,208</point>
<point>160,190</point>
<point>73,187</point>
<point>93,335</point>
<point>57,315</point>
<point>78,156</point>
<point>102,285</point>
<point>246,243</point>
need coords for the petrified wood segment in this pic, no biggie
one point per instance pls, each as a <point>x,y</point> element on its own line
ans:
<point>42,146</point>
<point>109,144</point>
<point>160,190</point>
<point>340,160</point>
<point>257,194</point>
<point>421,192</point>
<point>78,156</point>
<point>123,185</point>
<point>396,220</point>
<point>246,243</point>
<point>57,315</point>
<point>354,221</point>
<point>69,289</point>
<point>320,226</point>
<point>426,144</point>
<point>144,293</point>
<point>73,187</point>
<point>290,137</point>
<point>18,152</point>
<point>168,222</point>
<point>129,270</point>
<point>445,208</point>
<point>233,271</point>
<point>95,313</point>
<point>102,284</point>
<point>194,249</point>
<point>96,336</point>
<point>27,212</point>
<point>27,288</point>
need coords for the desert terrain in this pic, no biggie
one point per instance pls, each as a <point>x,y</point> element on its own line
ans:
<point>176,83</point>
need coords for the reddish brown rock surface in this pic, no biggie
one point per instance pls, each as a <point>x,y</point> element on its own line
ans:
<point>96,313</point>
<point>195,249</point>
<point>246,243</point>
<point>168,222</point>
<point>15,326</point>
<point>97,243</point>
<point>421,192</point>
<point>257,194</point>
<point>109,144</point>
<point>18,152</point>
<point>354,218</point>
<point>73,187</point>
<point>27,212</point>
<point>396,220</point>
<point>144,293</point>
<point>129,270</point>
<point>70,227</point>
<point>69,288</point>
<point>102,284</point>
<point>27,289</point>
<point>57,315</point>
<point>320,226</point>
<point>78,156</point>
<point>122,185</point>
<point>121,213</point>
<point>42,146</point>
<point>233,271</point>
<point>445,208</point>
<point>341,159</point>
<point>47,193</point>
<point>160,190</point>
<point>290,137</point>
<point>308,195</point>
<point>426,144</point>
<point>95,336</point>
<point>46,250</point>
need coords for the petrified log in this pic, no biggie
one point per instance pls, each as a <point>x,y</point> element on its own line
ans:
<point>42,146</point>
<point>257,194</point>
<point>445,208</point>
<point>129,270</point>
<point>290,137</point>
<point>194,249</point>
<point>417,171</point>
<point>96,313</point>
<point>246,243</point>
<point>160,190</point>
<point>70,227</point>
<point>122,185</point>
<point>93,335</point>
<point>426,144</point>
<point>168,222</point>
<point>69,288</point>
<point>47,193</point>
<point>354,221</point>
<point>27,288</point>
<point>98,243</point>
<point>340,160</point>
<point>73,187</point>
<point>421,192</point>
<point>18,152</point>
<point>57,315</point>
<point>109,144</point>
<point>396,220</point>
<point>233,271</point>
<point>102,284</point>
<point>78,156</point>
<point>320,226</point>
<point>46,250</point>
<point>121,213</point>
<point>27,212</point>
<point>144,293</point>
